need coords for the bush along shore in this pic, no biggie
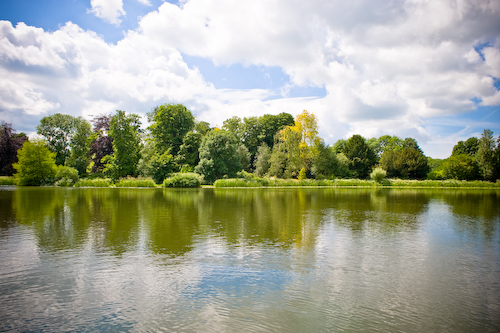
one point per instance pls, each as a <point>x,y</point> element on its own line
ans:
<point>193,180</point>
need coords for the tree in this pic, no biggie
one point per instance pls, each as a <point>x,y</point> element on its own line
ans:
<point>339,146</point>
<point>325,163</point>
<point>485,156</point>
<point>170,122</point>
<point>125,129</point>
<point>219,156</point>
<point>385,143</point>
<point>58,130</point>
<point>262,160</point>
<point>202,127</point>
<point>361,157</point>
<point>251,135</point>
<point>461,167</point>
<point>10,143</point>
<point>102,143</point>
<point>285,161</point>
<point>80,146</point>
<point>272,124</point>
<point>189,150</point>
<point>407,162</point>
<point>469,147</point>
<point>234,125</point>
<point>36,164</point>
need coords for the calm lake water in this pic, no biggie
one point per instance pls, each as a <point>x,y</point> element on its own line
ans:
<point>250,260</point>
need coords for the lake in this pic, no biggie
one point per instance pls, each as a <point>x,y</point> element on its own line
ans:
<point>249,260</point>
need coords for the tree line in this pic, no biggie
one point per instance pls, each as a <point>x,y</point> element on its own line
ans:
<point>281,146</point>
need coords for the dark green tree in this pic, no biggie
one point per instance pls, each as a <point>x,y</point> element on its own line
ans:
<point>407,162</point>
<point>36,164</point>
<point>124,129</point>
<point>169,124</point>
<point>189,150</point>
<point>10,143</point>
<point>469,147</point>
<point>325,163</point>
<point>219,156</point>
<point>361,156</point>
<point>272,124</point>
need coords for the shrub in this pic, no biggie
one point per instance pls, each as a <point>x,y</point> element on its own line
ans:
<point>4,180</point>
<point>183,180</point>
<point>136,182</point>
<point>378,174</point>
<point>98,182</point>
<point>66,176</point>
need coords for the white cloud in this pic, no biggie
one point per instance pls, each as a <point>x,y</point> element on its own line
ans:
<point>387,65</point>
<point>109,10</point>
<point>145,2</point>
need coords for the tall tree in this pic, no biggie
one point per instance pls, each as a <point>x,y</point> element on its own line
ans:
<point>10,143</point>
<point>58,130</point>
<point>124,129</point>
<point>80,146</point>
<point>36,164</point>
<point>169,124</point>
<point>262,160</point>
<point>485,156</point>
<point>286,157</point>
<point>361,156</point>
<point>306,124</point>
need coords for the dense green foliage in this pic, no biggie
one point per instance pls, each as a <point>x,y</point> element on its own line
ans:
<point>66,176</point>
<point>125,129</point>
<point>135,182</point>
<point>184,180</point>
<point>79,157</point>
<point>361,156</point>
<point>8,180</point>
<point>98,182</point>
<point>219,156</point>
<point>170,123</point>
<point>36,164</point>
<point>271,148</point>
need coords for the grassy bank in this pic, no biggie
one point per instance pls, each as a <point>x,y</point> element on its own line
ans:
<point>391,183</point>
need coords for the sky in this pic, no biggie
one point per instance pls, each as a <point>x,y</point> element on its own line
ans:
<point>426,69</point>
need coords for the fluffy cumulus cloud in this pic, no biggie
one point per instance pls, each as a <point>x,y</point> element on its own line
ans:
<point>108,10</point>
<point>387,66</point>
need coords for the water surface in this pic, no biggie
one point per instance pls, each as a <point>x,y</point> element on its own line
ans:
<point>225,260</point>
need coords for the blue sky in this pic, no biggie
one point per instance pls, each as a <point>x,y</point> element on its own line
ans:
<point>427,70</point>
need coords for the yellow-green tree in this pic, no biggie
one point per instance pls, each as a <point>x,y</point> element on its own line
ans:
<point>295,147</point>
<point>36,164</point>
